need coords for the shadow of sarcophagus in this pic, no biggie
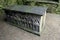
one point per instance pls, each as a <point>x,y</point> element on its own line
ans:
<point>28,18</point>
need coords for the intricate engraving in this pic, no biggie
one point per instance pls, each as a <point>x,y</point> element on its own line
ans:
<point>29,21</point>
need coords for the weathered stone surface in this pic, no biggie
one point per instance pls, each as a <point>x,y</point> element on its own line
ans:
<point>51,31</point>
<point>28,9</point>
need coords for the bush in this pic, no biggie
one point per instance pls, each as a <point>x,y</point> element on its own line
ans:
<point>51,7</point>
<point>58,10</point>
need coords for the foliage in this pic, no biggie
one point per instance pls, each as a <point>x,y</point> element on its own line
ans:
<point>19,2</point>
<point>51,7</point>
<point>4,3</point>
<point>58,9</point>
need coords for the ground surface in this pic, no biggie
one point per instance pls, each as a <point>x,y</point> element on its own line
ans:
<point>51,31</point>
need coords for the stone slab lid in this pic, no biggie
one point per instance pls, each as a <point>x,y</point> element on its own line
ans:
<point>28,9</point>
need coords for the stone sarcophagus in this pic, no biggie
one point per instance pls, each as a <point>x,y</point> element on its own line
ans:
<point>29,18</point>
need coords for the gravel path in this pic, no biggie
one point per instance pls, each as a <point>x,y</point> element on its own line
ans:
<point>51,31</point>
